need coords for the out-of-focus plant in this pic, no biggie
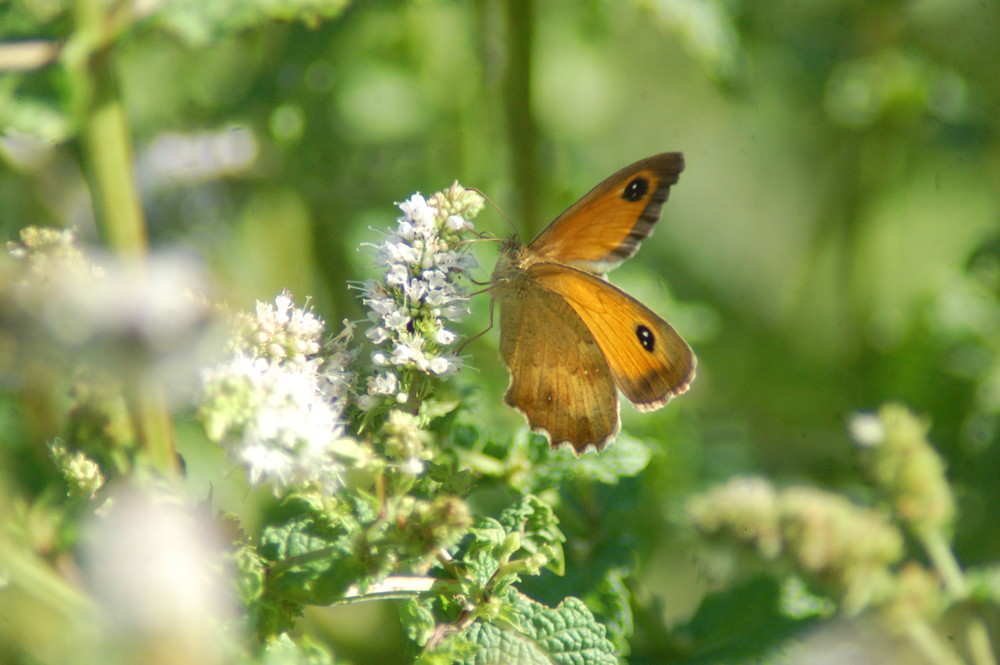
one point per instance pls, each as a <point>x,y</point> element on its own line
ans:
<point>354,437</point>
<point>854,556</point>
<point>365,473</point>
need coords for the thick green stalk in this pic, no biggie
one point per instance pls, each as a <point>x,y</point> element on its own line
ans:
<point>108,152</point>
<point>522,128</point>
<point>25,570</point>
<point>108,161</point>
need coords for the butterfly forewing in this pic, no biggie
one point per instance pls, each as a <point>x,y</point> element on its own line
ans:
<point>649,361</point>
<point>605,227</point>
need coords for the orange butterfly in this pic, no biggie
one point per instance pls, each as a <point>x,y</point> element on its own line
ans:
<point>570,339</point>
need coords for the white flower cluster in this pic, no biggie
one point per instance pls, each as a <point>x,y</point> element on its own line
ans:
<point>276,406</point>
<point>418,294</point>
<point>281,331</point>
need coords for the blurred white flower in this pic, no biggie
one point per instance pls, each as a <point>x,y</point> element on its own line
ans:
<point>81,298</point>
<point>281,331</point>
<point>159,574</point>
<point>174,158</point>
<point>867,429</point>
<point>130,317</point>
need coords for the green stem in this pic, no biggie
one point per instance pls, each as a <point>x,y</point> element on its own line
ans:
<point>481,463</point>
<point>399,588</point>
<point>979,643</point>
<point>941,555</point>
<point>929,643</point>
<point>108,160</point>
<point>522,127</point>
<point>107,145</point>
<point>944,561</point>
<point>156,429</point>
<point>25,570</point>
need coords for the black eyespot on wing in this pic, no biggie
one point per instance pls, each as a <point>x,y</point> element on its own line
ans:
<point>636,189</point>
<point>646,337</point>
<point>650,184</point>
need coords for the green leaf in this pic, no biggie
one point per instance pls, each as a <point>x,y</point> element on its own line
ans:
<point>317,570</point>
<point>302,525</point>
<point>285,651</point>
<point>417,618</point>
<point>446,476</point>
<point>31,114</point>
<point>740,624</point>
<point>315,553</point>
<point>624,458</point>
<point>564,635</point>
<point>611,599</point>
<point>525,539</point>
<point>456,649</point>
<point>984,584</point>
<point>480,556</point>
<point>535,521</point>
<point>198,23</point>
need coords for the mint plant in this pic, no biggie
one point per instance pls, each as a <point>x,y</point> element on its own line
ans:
<point>185,481</point>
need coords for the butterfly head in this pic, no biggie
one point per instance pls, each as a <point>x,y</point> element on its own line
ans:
<point>513,259</point>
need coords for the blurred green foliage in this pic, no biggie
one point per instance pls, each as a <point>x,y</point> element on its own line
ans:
<point>833,244</point>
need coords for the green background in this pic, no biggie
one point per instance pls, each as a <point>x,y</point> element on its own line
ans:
<point>831,245</point>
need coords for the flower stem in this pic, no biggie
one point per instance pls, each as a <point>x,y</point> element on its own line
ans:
<point>944,561</point>
<point>28,572</point>
<point>954,580</point>
<point>107,145</point>
<point>930,644</point>
<point>979,643</point>
<point>108,162</point>
<point>396,588</point>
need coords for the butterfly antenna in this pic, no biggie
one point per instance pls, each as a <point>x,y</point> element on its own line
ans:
<point>489,287</point>
<point>482,236</point>
<point>497,208</point>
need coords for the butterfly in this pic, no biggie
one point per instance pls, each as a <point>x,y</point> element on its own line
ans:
<point>570,339</point>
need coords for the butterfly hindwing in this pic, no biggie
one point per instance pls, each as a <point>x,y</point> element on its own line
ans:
<point>559,378</point>
<point>648,360</point>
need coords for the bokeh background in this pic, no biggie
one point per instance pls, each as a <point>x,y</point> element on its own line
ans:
<point>832,245</point>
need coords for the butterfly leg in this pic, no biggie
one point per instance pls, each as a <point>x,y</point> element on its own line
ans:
<point>481,333</point>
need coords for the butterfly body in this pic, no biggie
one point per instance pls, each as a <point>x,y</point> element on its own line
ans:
<point>571,339</point>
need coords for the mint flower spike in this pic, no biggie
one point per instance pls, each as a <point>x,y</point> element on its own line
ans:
<point>83,475</point>
<point>906,468</point>
<point>276,405</point>
<point>847,548</point>
<point>418,293</point>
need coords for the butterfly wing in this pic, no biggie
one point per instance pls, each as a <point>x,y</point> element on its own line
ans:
<point>559,378</point>
<point>648,360</point>
<point>605,227</point>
